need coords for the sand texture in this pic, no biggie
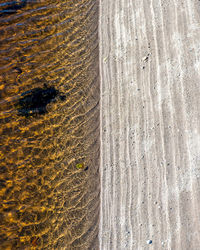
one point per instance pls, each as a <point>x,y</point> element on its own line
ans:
<point>150,124</point>
<point>49,125</point>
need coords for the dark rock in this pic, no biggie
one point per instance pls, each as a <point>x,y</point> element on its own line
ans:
<point>35,101</point>
<point>12,7</point>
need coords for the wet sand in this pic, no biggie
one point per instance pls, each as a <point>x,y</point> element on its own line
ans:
<point>150,124</point>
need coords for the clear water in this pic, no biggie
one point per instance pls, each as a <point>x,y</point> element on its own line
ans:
<point>49,124</point>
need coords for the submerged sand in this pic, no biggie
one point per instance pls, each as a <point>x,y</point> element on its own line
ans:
<point>150,124</point>
<point>49,125</point>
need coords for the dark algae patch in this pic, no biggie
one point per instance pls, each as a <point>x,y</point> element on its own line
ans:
<point>11,7</point>
<point>35,101</point>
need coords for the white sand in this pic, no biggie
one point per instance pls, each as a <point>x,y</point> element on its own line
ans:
<point>150,114</point>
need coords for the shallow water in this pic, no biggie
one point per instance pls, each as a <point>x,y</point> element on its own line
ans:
<point>49,124</point>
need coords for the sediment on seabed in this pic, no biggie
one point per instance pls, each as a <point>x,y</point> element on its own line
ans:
<point>49,125</point>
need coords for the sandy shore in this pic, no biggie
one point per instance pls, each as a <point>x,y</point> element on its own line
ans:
<point>150,124</point>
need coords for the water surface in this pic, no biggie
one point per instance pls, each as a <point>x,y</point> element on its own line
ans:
<point>49,124</point>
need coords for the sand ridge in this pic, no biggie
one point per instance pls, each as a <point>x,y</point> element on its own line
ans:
<point>150,124</point>
<point>49,124</point>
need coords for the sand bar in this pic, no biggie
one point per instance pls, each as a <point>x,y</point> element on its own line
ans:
<point>150,124</point>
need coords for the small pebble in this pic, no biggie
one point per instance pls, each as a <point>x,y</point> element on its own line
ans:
<point>149,242</point>
<point>17,70</point>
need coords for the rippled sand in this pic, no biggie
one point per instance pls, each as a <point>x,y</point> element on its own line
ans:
<point>49,151</point>
<point>150,124</point>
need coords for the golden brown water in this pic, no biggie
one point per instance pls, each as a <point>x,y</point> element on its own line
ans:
<point>49,124</point>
